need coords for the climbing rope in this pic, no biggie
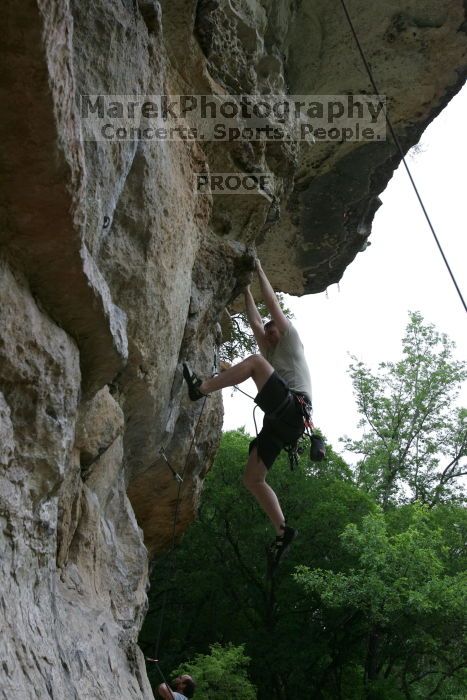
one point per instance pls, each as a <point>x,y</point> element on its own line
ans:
<point>179,479</point>
<point>174,526</point>
<point>399,147</point>
<point>237,388</point>
<point>156,661</point>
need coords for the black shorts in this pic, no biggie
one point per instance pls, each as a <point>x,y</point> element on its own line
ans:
<point>280,428</point>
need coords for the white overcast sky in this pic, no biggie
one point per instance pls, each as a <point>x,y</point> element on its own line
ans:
<point>402,270</point>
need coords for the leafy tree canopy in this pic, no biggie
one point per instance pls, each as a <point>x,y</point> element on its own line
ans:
<point>221,674</point>
<point>370,601</point>
<point>406,597</point>
<point>415,437</point>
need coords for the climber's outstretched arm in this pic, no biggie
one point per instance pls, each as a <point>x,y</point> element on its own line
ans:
<point>271,301</point>
<point>255,319</point>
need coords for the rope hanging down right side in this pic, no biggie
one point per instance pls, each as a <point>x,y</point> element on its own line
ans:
<point>399,147</point>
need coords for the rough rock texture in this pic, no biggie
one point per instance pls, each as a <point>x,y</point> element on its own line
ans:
<point>112,272</point>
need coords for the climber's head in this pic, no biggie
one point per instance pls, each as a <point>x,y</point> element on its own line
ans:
<point>272,333</point>
<point>185,685</point>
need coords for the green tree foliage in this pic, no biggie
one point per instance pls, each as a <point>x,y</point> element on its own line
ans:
<point>370,601</point>
<point>219,592</point>
<point>377,612</point>
<point>415,438</point>
<point>221,674</point>
<point>407,599</point>
<point>241,341</point>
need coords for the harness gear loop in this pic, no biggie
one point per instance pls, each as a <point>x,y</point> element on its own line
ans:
<point>306,409</point>
<point>317,447</point>
<point>292,454</point>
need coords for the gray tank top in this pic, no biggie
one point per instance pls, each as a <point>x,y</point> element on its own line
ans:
<point>288,359</point>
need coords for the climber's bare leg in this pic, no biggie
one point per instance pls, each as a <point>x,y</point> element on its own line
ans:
<point>254,479</point>
<point>254,366</point>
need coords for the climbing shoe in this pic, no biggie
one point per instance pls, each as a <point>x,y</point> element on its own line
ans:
<point>194,383</point>
<point>281,545</point>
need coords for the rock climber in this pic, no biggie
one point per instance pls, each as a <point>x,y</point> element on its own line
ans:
<point>282,378</point>
<point>181,688</point>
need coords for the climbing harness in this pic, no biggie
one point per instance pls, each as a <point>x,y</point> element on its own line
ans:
<point>293,452</point>
<point>317,450</point>
<point>401,152</point>
<point>237,388</point>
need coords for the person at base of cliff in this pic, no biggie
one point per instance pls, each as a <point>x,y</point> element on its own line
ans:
<point>181,688</point>
<point>283,382</point>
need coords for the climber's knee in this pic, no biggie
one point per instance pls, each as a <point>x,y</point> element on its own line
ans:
<point>255,472</point>
<point>261,370</point>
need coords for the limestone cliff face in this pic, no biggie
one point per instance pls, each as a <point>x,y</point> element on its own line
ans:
<point>112,272</point>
